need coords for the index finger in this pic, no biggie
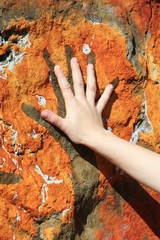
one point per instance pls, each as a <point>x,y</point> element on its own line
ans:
<point>63,84</point>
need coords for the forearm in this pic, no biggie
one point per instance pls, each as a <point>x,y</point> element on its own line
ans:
<point>138,162</point>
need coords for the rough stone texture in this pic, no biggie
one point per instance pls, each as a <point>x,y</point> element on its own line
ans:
<point>49,187</point>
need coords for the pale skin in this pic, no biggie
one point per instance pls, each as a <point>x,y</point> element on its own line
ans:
<point>83,125</point>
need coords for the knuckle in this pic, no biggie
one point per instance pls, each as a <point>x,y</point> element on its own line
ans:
<point>80,84</point>
<point>92,88</point>
<point>66,86</point>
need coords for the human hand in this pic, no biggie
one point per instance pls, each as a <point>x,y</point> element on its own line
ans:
<point>83,114</point>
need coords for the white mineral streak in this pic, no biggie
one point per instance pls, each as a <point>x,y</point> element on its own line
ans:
<point>3,147</point>
<point>47,179</point>
<point>44,193</point>
<point>41,100</point>
<point>16,164</point>
<point>143,125</point>
<point>4,160</point>
<point>13,58</point>
<point>66,210</point>
<point>14,135</point>
<point>16,146</point>
<point>86,49</point>
<point>24,210</point>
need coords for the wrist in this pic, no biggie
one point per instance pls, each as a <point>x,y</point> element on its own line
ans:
<point>95,137</point>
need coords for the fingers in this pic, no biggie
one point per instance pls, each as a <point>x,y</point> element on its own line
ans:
<point>53,118</point>
<point>104,98</point>
<point>77,79</point>
<point>91,84</point>
<point>64,84</point>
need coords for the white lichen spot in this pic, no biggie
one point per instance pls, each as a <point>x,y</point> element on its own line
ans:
<point>24,41</point>
<point>34,134</point>
<point>14,136</point>
<point>86,49</point>
<point>47,179</point>
<point>18,217</point>
<point>15,196</point>
<point>41,100</point>
<point>13,57</point>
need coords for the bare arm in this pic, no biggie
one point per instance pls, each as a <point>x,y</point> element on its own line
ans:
<point>83,125</point>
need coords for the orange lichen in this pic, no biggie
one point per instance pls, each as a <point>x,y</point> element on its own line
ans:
<point>44,170</point>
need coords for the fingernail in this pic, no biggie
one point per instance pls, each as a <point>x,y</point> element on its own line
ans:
<point>44,113</point>
<point>111,86</point>
<point>57,67</point>
<point>74,59</point>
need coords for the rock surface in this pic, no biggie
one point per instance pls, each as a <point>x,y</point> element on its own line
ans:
<point>49,187</point>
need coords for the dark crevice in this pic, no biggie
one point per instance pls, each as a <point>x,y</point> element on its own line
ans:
<point>131,48</point>
<point>7,33</point>
<point>147,72</point>
<point>134,46</point>
<point>5,56</point>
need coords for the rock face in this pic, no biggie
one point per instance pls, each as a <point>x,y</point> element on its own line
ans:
<point>49,187</point>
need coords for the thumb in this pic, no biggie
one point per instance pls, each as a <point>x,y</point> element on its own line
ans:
<point>53,118</point>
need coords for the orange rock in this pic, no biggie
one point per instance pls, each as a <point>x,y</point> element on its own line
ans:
<point>46,191</point>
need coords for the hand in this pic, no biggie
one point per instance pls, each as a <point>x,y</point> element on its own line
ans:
<point>83,114</point>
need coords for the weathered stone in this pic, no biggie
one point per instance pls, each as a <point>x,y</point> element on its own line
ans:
<point>51,188</point>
